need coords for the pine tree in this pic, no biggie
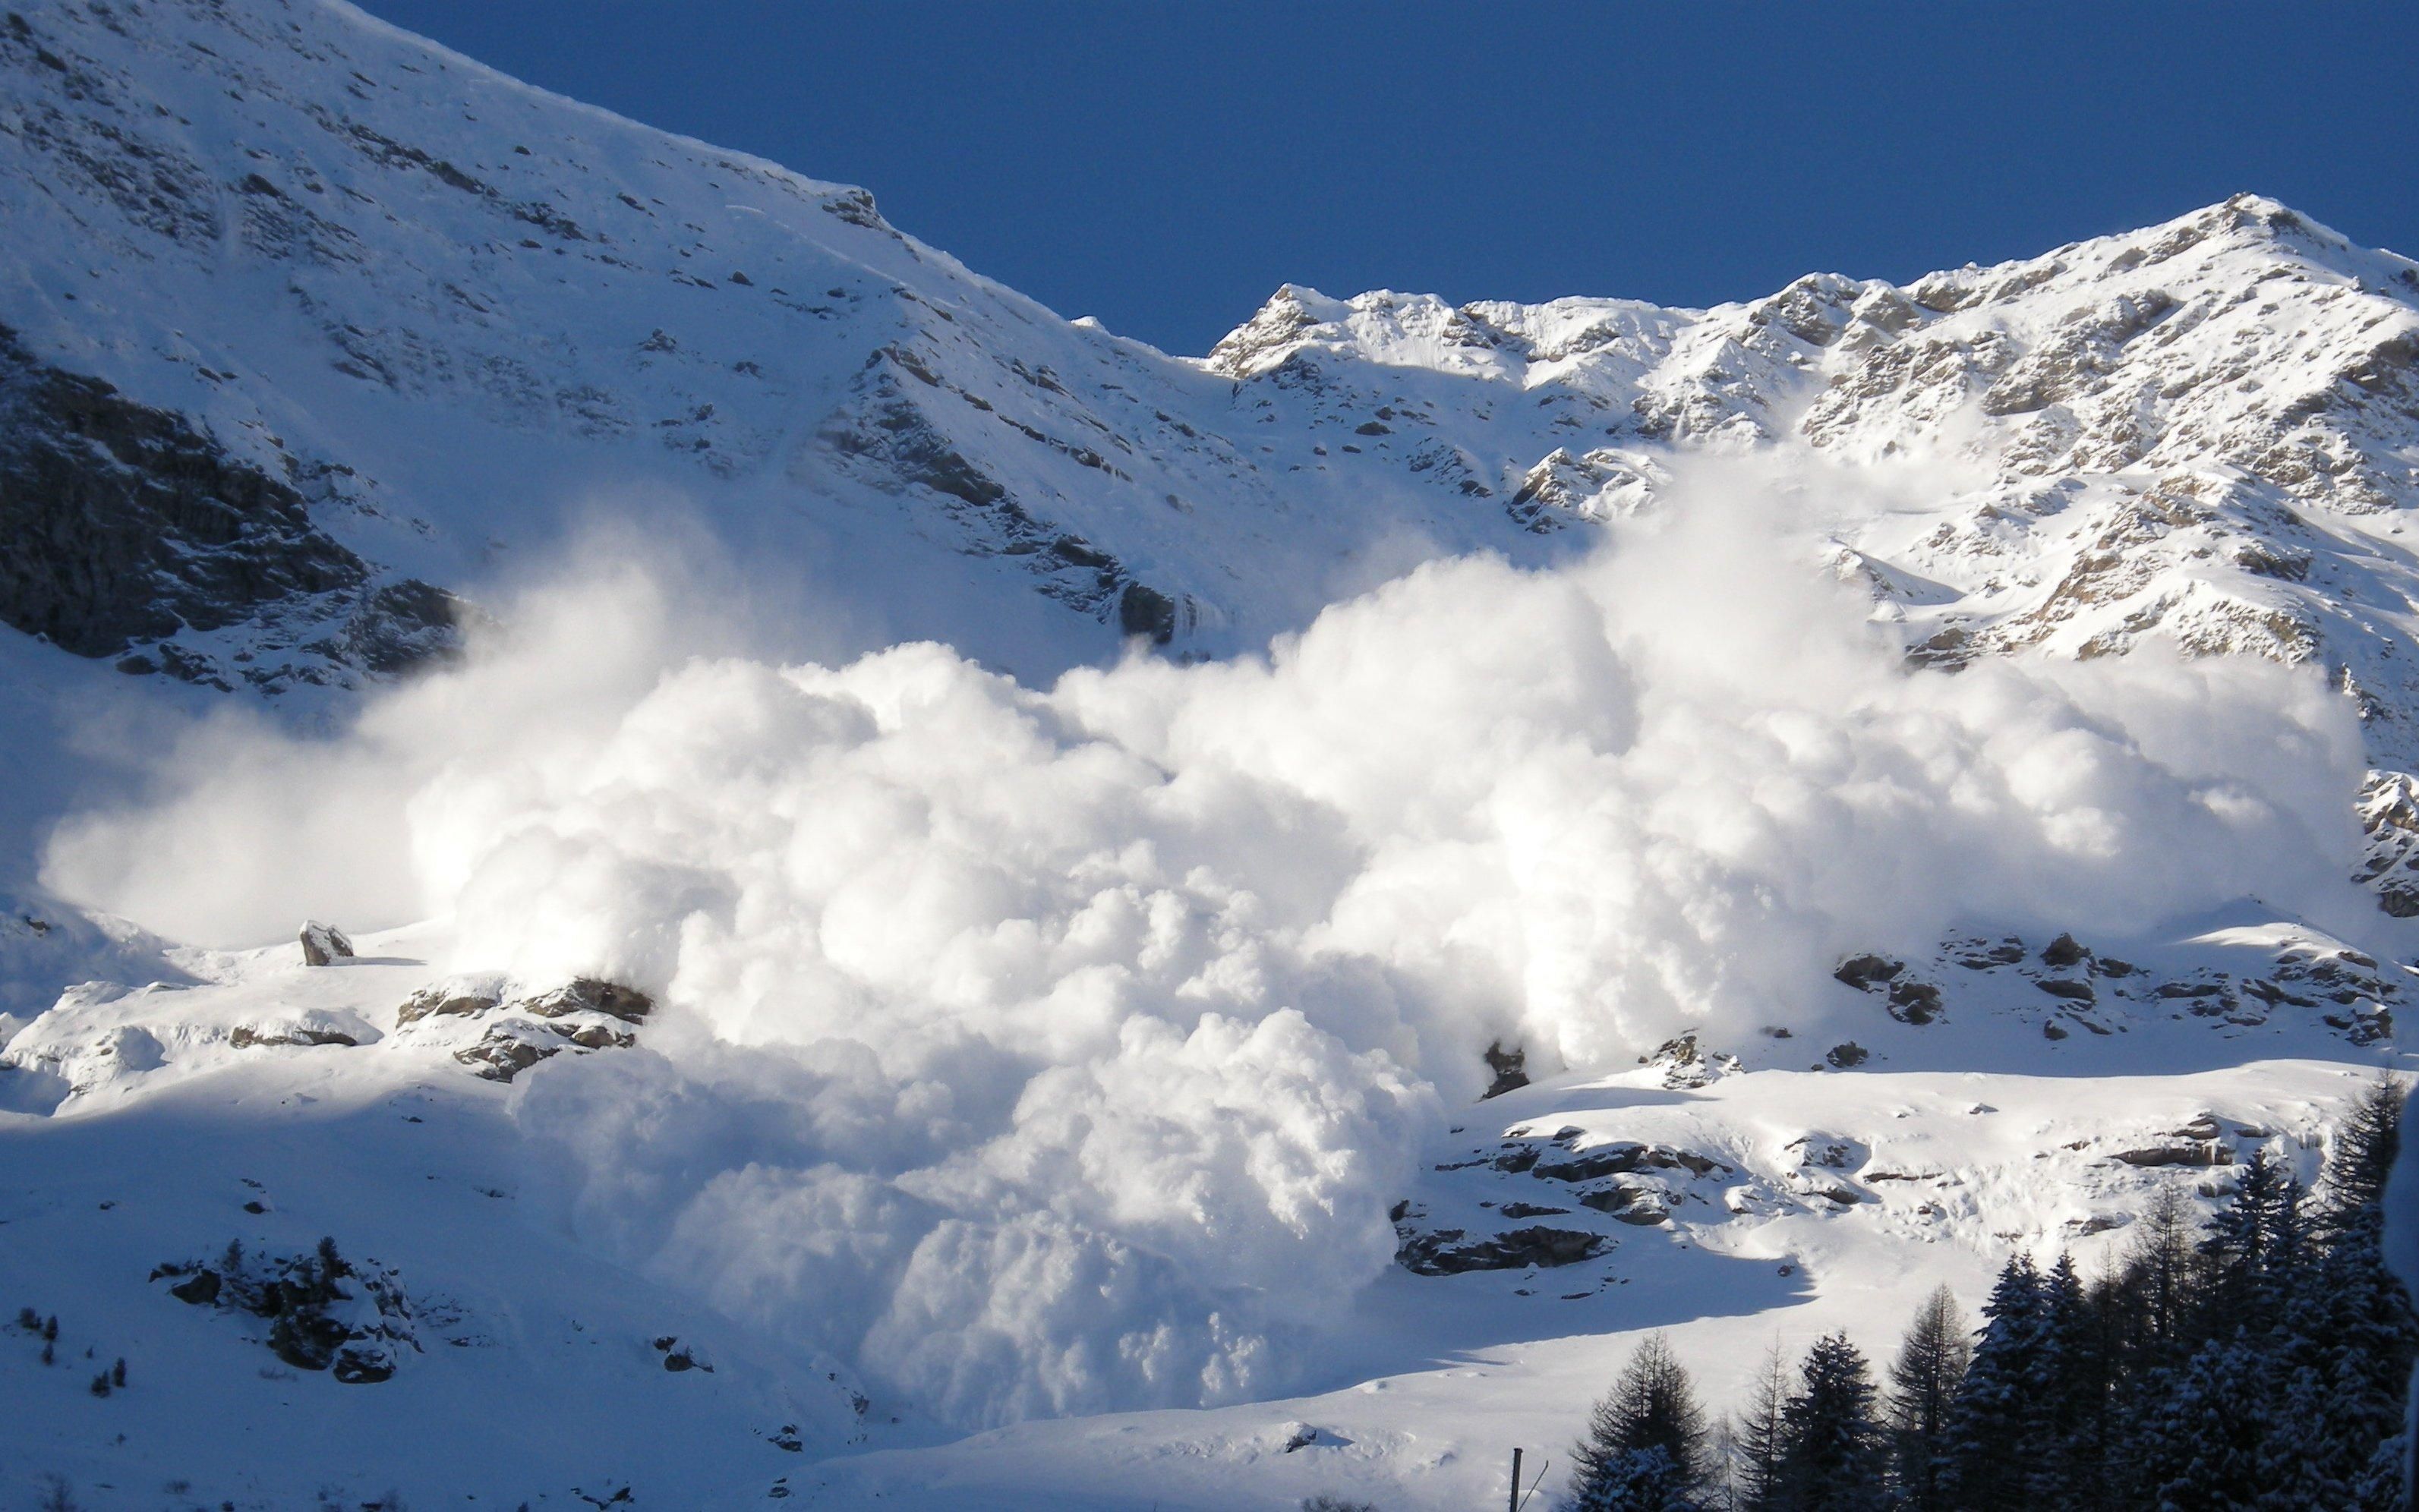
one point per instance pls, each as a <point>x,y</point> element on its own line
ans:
<point>1757,1436</point>
<point>1652,1406</point>
<point>1924,1381</point>
<point>2234,1428</point>
<point>1833,1456</point>
<point>2360,1160</point>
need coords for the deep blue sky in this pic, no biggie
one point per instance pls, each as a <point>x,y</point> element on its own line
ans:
<point>1165,167</point>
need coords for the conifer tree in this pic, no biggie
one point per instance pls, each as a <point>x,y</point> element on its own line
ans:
<point>2074,1387</point>
<point>2363,1331</point>
<point>1652,1407</point>
<point>1998,1431</point>
<point>2254,1248</point>
<point>1757,1437</point>
<point>1833,1456</point>
<point>1923,1385</point>
<point>2199,1444</point>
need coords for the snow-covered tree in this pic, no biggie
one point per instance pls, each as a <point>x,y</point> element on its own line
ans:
<point>1652,1407</point>
<point>1999,1429</point>
<point>1834,1456</point>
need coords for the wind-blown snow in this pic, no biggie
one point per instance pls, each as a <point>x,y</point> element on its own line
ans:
<point>1049,1050</point>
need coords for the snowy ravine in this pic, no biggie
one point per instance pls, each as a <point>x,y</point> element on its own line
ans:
<point>950,911</point>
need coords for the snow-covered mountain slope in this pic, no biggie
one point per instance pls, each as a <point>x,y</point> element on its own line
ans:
<point>2204,433</point>
<point>807,1060</point>
<point>428,311</point>
<point>412,311</point>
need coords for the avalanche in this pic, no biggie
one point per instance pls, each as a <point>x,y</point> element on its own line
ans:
<point>950,909</point>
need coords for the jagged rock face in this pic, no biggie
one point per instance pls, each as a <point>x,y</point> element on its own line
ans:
<point>2194,434</point>
<point>129,530</point>
<point>2308,977</point>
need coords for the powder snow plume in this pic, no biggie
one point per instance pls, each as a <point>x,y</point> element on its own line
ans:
<point>1053,1051</point>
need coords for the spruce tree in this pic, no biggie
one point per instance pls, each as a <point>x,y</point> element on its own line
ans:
<point>1652,1406</point>
<point>2363,1331</point>
<point>2074,1393</point>
<point>1999,1428</point>
<point>2198,1446</point>
<point>2235,1428</point>
<point>1923,1384</point>
<point>2253,1248</point>
<point>1833,1456</point>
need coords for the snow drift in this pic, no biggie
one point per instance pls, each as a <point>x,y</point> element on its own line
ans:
<point>1046,1051</point>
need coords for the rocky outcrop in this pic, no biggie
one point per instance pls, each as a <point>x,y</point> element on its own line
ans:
<point>1451,1252</point>
<point>129,528</point>
<point>324,1311</point>
<point>583,1015</point>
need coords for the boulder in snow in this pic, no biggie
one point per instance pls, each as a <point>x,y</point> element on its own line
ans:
<point>323,944</point>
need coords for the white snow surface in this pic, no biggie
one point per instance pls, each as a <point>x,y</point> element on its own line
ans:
<point>1049,1047</point>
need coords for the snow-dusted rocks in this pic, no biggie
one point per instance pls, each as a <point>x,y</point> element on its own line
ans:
<point>321,1311</point>
<point>303,1027</point>
<point>324,945</point>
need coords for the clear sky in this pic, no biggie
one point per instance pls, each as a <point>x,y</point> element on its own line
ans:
<point>1166,166</point>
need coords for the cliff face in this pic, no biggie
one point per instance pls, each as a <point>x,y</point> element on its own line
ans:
<point>134,537</point>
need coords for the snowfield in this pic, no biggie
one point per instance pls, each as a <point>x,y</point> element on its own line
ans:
<point>947,910</point>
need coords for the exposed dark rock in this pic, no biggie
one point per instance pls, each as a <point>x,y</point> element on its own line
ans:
<point>324,945</point>
<point>1619,1158</point>
<point>2198,1153</point>
<point>596,1036</point>
<point>501,1054</point>
<point>1842,1056</point>
<point>893,429</point>
<point>1451,1252</point>
<point>2063,952</point>
<point>454,998</point>
<point>1863,973</point>
<point>1147,611</point>
<point>245,1037</point>
<point>128,527</point>
<point>1640,1205</point>
<point>1517,1158</point>
<point>201,1288</point>
<point>1914,1003</point>
<point>590,995</point>
<point>1511,1069</point>
<point>2071,991</point>
<point>324,1311</point>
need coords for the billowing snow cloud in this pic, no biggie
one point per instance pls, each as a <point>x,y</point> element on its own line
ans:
<point>1046,1051</point>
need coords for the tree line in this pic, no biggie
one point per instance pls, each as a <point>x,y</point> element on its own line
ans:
<point>2256,1363</point>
